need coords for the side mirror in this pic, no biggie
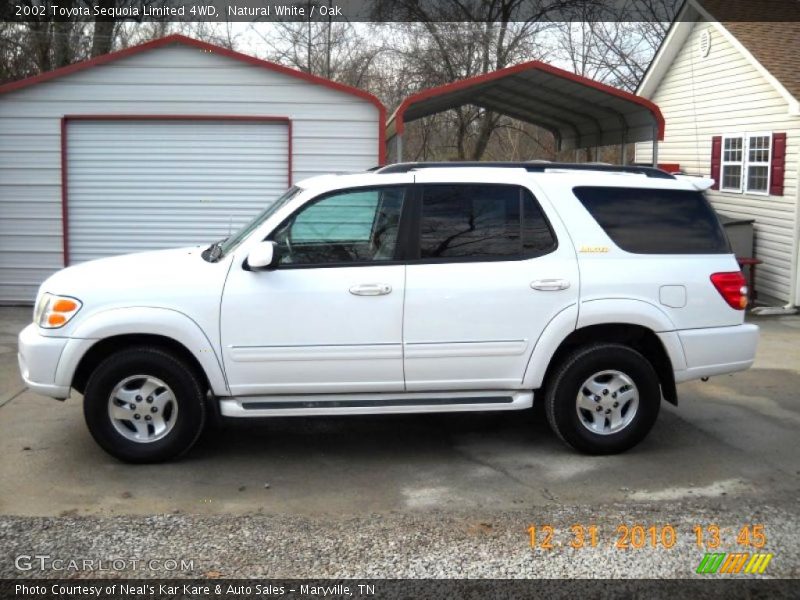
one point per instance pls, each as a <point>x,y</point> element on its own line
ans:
<point>263,257</point>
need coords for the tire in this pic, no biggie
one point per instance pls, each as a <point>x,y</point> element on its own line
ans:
<point>159,401</point>
<point>625,415</point>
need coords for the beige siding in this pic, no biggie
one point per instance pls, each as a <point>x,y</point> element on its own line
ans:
<point>725,94</point>
<point>332,131</point>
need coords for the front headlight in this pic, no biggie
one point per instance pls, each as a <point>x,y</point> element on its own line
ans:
<point>52,311</point>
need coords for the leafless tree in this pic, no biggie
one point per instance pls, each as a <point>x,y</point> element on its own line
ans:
<point>614,43</point>
<point>435,43</point>
<point>456,39</point>
<point>345,52</point>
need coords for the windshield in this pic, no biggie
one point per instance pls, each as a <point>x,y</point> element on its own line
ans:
<point>233,241</point>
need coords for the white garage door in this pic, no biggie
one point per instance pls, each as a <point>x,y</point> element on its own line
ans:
<point>136,185</point>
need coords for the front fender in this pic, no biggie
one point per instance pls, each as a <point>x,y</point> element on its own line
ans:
<point>142,320</point>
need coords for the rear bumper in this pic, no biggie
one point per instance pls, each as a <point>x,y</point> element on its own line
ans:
<point>38,358</point>
<point>717,351</point>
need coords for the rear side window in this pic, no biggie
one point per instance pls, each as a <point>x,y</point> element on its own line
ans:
<point>481,222</point>
<point>654,221</point>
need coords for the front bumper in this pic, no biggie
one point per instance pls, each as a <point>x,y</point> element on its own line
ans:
<point>717,350</point>
<point>38,358</point>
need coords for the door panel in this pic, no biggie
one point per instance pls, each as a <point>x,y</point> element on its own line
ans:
<point>329,318</point>
<point>303,331</point>
<point>473,325</point>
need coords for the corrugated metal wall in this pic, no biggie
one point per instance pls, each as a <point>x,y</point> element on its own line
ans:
<point>724,94</point>
<point>332,131</point>
<point>141,185</point>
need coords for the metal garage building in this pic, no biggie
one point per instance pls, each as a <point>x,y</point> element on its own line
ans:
<point>170,143</point>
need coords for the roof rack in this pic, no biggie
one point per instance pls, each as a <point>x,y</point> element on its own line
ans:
<point>531,167</point>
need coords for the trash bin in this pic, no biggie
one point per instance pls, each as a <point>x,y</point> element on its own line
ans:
<point>740,234</point>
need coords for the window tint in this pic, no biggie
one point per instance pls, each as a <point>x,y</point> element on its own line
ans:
<point>481,222</point>
<point>653,221</point>
<point>351,226</point>
<point>537,238</point>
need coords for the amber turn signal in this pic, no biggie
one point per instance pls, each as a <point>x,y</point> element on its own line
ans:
<point>56,319</point>
<point>64,305</point>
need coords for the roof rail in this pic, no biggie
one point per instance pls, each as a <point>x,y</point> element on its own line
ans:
<point>531,167</point>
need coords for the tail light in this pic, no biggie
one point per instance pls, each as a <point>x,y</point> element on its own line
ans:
<point>732,287</point>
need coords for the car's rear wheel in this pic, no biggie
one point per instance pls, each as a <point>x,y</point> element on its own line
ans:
<point>144,405</point>
<point>603,399</point>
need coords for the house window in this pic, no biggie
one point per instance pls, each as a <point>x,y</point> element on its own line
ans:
<point>758,148</point>
<point>732,156</point>
<point>745,163</point>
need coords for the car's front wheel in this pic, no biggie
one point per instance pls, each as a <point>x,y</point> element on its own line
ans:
<point>144,404</point>
<point>603,399</point>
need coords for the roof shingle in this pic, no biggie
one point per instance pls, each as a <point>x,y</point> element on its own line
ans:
<point>775,43</point>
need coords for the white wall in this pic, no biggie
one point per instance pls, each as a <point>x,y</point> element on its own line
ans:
<point>332,131</point>
<point>720,94</point>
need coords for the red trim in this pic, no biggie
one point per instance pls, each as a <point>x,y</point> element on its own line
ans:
<point>64,195</point>
<point>669,167</point>
<point>64,162</point>
<point>526,66</point>
<point>777,164</point>
<point>187,41</point>
<point>716,160</point>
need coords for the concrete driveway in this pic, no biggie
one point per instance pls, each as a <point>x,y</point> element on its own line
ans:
<point>732,443</point>
<point>735,434</point>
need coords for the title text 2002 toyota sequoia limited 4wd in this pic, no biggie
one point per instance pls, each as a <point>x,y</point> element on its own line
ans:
<point>413,288</point>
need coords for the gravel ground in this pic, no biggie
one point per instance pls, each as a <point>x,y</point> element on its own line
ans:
<point>399,545</point>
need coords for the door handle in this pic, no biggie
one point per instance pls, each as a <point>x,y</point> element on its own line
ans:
<point>550,285</point>
<point>371,289</point>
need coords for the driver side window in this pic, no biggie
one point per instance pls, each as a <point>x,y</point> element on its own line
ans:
<point>353,226</point>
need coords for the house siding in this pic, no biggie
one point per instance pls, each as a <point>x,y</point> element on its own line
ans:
<point>332,131</point>
<point>720,94</point>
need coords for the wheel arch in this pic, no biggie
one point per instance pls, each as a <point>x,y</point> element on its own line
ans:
<point>113,330</point>
<point>642,339</point>
<point>101,349</point>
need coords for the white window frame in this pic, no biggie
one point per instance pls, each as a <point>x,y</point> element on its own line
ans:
<point>723,163</point>
<point>748,164</point>
<point>745,163</point>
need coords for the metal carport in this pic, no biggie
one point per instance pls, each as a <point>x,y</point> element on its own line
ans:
<point>578,111</point>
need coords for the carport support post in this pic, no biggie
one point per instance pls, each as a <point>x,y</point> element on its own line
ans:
<point>655,146</point>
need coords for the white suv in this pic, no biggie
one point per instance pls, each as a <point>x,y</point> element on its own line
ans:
<point>413,288</point>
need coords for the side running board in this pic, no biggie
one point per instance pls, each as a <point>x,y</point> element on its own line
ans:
<point>387,403</point>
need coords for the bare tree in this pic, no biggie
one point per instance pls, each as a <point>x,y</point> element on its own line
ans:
<point>341,51</point>
<point>103,34</point>
<point>456,39</point>
<point>426,45</point>
<point>615,43</point>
